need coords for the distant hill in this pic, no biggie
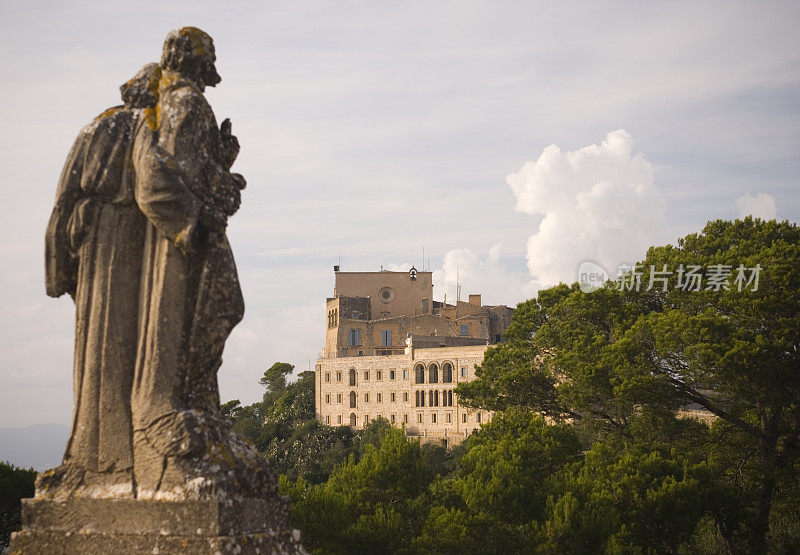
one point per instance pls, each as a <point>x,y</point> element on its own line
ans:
<point>40,446</point>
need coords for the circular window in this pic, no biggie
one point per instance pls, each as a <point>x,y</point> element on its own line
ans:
<point>386,294</point>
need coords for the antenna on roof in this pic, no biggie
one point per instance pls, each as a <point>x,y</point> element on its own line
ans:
<point>458,286</point>
<point>423,256</point>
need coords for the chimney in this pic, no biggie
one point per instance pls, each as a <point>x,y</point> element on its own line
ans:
<point>475,300</point>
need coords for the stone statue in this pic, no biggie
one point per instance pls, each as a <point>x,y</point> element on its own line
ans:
<point>93,247</point>
<point>190,297</point>
<point>137,237</point>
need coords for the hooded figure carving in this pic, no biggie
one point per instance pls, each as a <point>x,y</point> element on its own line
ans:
<point>93,251</point>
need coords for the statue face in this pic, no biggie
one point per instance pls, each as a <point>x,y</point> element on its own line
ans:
<point>208,69</point>
<point>203,49</point>
<point>191,52</point>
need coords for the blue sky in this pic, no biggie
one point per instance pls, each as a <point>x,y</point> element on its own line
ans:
<point>368,129</point>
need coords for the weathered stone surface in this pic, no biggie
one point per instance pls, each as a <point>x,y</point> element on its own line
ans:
<point>175,518</point>
<point>137,238</point>
<point>84,525</point>
<point>69,543</point>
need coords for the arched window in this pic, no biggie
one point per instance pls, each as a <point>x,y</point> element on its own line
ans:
<point>416,398</point>
<point>436,398</point>
<point>419,372</point>
<point>352,377</point>
<point>352,399</point>
<point>422,398</point>
<point>433,373</point>
<point>353,419</point>
<point>447,372</point>
<point>444,397</point>
<point>450,398</point>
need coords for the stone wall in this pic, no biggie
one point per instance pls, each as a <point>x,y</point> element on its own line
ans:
<point>386,386</point>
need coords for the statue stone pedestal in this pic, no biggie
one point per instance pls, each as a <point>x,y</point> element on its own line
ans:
<point>81,525</point>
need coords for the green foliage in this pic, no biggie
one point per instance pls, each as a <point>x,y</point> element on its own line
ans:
<point>633,499</point>
<point>274,378</point>
<point>231,409</point>
<point>15,484</point>
<point>284,429</point>
<point>492,502</point>
<point>604,358</point>
<point>366,506</point>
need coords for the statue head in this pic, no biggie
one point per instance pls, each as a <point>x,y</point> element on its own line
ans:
<point>190,52</point>
<point>141,90</point>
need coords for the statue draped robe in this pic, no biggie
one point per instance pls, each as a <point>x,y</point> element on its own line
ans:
<point>190,297</point>
<point>94,252</point>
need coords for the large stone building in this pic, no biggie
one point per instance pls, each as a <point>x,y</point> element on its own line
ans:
<point>391,351</point>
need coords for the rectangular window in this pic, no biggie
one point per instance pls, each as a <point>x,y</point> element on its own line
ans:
<point>339,398</point>
<point>338,376</point>
<point>366,419</point>
<point>464,329</point>
<point>392,397</point>
<point>464,418</point>
<point>448,418</point>
<point>463,371</point>
<point>379,398</point>
<point>327,376</point>
<point>327,419</point>
<point>378,375</point>
<point>405,396</point>
<point>366,397</point>
<point>366,375</point>
<point>433,418</point>
<point>392,419</point>
<point>328,398</point>
<point>339,419</point>
<point>391,375</point>
<point>478,418</point>
<point>495,317</point>
<point>405,374</point>
<point>405,419</point>
<point>353,337</point>
<point>419,418</point>
<point>386,338</point>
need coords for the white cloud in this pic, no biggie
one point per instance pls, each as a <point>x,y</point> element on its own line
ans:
<point>759,206</point>
<point>486,276</point>
<point>599,203</point>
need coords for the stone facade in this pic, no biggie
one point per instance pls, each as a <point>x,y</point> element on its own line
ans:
<point>354,390</point>
<point>392,352</point>
<point>373,313</point>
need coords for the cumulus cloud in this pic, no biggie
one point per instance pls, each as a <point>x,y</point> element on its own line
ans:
<point>488,276</point>
<point>759,206</point>
<point>599,203</point>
